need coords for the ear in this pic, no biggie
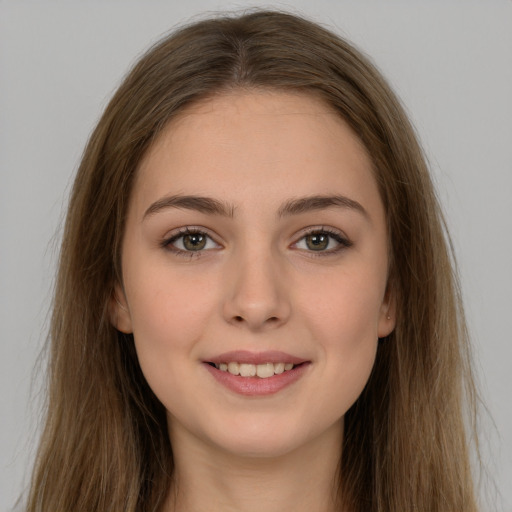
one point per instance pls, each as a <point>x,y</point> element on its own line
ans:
<point>387,316</point>
<point>119,312</point>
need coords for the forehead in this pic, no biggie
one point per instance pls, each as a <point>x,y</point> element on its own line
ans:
<point>270,143</point>
<point>255,116</point>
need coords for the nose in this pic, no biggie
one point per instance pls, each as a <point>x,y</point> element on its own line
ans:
<point>257,293</point>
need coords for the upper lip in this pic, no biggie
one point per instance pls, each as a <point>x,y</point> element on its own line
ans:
<point>246,357</point>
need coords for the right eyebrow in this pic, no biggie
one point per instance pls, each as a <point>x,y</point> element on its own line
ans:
<point>201,204</point>
<point>310,203</point>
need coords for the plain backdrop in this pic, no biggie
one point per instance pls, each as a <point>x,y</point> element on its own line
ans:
<point>451,64</point>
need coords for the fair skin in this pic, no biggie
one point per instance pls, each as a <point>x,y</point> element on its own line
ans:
<point>263,269</point>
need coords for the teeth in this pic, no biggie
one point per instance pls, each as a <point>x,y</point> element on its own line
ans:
<point>279,368</point>
<point>234,368</point>
<point>263,371</point>
<point>247,370</point>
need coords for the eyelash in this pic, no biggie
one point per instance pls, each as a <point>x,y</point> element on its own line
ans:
<point>168,242</point>
<point>343,242</point>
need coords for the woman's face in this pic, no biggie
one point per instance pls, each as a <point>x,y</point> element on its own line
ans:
<point>255,240</point>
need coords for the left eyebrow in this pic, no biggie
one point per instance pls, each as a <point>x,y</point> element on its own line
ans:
<point>307,204</point>
<point>200,204</point>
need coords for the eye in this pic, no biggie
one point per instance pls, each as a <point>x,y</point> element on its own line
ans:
<point>322,240</point>
<point>190,240</point>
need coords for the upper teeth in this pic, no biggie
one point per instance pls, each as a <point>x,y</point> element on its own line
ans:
<point>251,370</point>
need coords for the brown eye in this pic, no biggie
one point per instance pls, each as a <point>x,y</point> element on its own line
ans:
<point>323,242</point>
<point>194,241</point>
<point>189,241</point>
<point>317,241</point>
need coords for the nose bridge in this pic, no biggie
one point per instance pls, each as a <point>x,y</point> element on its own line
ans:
<point>257,295</point>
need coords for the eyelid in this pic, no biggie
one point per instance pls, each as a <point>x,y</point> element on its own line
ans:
<point>339,236</point>
<point>167,242</point>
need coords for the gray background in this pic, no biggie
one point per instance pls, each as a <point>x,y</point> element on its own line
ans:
<point>449,61</point>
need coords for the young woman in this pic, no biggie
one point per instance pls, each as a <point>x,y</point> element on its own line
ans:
<point>256,307</point>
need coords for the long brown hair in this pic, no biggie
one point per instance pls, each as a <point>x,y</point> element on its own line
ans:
<point>105,446</point>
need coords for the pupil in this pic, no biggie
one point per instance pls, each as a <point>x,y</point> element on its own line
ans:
<point>317,242</point>
<point>194,242</point>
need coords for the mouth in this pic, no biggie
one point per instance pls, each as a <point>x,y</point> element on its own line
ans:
<point>262,371</point>
<point>257,374</point>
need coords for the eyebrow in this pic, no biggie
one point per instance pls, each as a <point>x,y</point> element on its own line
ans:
<point>307,204</point>
<point>198,203</point>
<point>212,206</point>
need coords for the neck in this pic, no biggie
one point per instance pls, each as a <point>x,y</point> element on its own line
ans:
<point>207,479</point>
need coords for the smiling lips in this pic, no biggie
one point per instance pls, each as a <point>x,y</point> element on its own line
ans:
<point>263,371</point>
<point>255,374</point>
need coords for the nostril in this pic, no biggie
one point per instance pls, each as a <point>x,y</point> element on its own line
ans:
<point>272,319</point>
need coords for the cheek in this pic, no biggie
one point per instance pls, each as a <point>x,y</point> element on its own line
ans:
<point>346,304</point>
<point>160,297</point>
<point>169,315</point>
<point>344,319</point>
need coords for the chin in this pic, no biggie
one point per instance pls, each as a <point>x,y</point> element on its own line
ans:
<point>260,447</point>
<point>259,439</point>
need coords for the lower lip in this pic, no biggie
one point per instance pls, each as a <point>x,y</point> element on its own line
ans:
<point>255,386</point>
